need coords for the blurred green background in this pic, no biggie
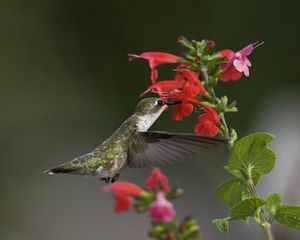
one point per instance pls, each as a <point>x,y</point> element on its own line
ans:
<point>66,85</point>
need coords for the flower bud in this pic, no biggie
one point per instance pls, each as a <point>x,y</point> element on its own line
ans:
<point>156,231</point>
<point>184,42</point>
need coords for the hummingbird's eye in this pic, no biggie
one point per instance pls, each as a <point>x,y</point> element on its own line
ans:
<point>160,102</point>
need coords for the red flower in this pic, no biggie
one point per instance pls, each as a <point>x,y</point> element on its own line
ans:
<point>182,110</point>
<point>157,179</point>
<point>165,88</point>
<point>188,95</point>
<point>155,59</point>
<point>122,192</point>
<point>193,85</point>
<point>209,123</point>
<point>186,87</point>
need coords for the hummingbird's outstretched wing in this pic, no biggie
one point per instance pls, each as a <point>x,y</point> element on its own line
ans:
<point>157,148</point>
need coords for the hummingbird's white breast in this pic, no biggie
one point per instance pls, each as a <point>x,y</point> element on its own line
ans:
<point>146,121</point>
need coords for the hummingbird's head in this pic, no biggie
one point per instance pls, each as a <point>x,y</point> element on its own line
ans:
<point>148,110</point>
<point>150,106</point>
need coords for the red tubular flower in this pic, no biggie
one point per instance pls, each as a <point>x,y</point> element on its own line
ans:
<point>192,80</point>
<point>122,192</point>
<point>186,87</point>
<point>157,179</point>
<point>209,123</point>
<point>165,88</point>
<point>182,110</point>
<point>155,59</point>
<point>188,95</point>
<point>237,63</point>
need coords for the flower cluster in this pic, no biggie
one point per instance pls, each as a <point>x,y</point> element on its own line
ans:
<point>154,198</point>
<point>196,74</point>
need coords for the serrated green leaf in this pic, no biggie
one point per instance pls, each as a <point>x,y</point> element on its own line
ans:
<point>246,208</point>
<point>288,216</point>
<point>232,192</point>
<point>222,224</point>
<point>272,202</point>
<point>252,156</point>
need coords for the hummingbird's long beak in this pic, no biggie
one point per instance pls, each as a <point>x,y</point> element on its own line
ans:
<point>172,102</point>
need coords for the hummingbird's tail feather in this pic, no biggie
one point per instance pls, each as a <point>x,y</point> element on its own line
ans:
<point>64,168</point>
<point>78,166</point>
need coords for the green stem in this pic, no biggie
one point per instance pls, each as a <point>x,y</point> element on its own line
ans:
<point>214,96</point>
<point>264,223</point>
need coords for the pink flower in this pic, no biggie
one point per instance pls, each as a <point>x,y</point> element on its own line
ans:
<point>157,179</point>
<point>237,63</point>
<point>122,193</point>
<point>209,123</point>
<point>155,59</point>
<point>162,210</point>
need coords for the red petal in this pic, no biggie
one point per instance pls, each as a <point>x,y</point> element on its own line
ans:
<point>177,116</point>
<point>187,109</point>
<point>124,188</point>
<point>123,203</point>
<point>154,74</point>
<point>156,179</point>
<point>229,71</point>
<point>213,115</point>
<point>230,74</point>
<point>229,54</point>
<point>165,87</point>
<point>157,58</point>
<point>206,128</point>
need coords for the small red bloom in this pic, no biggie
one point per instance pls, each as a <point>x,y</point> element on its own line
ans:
<point>155,59</point>
<point>157,179</point>
<point>209,123</point>
<point>165,88</point>
<point>182,110</point>
<point>211,44</point>
<point>192,80</point>
<point>122,192</point>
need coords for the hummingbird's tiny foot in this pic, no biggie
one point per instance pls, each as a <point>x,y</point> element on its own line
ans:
<point>115,178</point>
<point>107,179</point>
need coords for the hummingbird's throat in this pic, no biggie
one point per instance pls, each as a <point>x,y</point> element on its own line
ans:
<point>147,120</point>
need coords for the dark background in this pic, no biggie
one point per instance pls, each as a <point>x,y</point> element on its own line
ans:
<point>66,85</point>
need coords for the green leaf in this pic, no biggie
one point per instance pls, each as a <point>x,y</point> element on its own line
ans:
<point>246,208</point>
<point>232,192</point>
<point>252,156</point>
<point>288,216</point>
<point>222,224</point>
<point>272,202</point>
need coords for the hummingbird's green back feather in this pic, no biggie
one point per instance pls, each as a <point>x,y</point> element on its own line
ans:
<point>105,155</point>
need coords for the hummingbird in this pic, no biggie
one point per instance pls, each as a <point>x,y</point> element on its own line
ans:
<point>133,145</point>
